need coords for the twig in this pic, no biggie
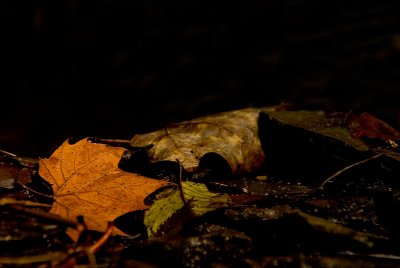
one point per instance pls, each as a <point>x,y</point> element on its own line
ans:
<point>180,182</point>
<point>347,168</point>
<point>99,243</point>
<point>7,153</point>
<point>44,215</point>
<point>10,201</point>
<point>36,192</point>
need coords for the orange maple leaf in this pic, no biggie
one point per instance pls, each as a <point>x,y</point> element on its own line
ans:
<point>87,181</point>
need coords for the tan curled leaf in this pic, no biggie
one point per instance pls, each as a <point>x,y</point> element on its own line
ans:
<point>233,135</point>
<point>86,181</point>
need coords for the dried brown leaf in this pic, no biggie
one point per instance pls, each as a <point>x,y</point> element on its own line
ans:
<point>233,135</point>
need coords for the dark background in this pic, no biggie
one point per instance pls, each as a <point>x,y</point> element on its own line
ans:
<point>114,68</point>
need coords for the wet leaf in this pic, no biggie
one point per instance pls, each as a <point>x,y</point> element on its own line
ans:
<point>318,122</point>
<point>199,199</point>
<point>232,135</point>
<point>310,145</point>
<point>284,228</point>
<point>326,226</point>
<point>307,146</point>
<point>86,181</point>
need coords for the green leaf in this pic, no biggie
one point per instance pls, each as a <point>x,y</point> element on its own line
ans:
<point>201,200</point>
<point>161,210</point>
<point>196,196</point>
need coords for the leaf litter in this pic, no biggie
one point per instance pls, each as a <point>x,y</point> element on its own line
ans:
<point>293,151</point>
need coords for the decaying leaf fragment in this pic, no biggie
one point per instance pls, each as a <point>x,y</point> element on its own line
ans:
<point>86,181</point>
<point>232,135</point>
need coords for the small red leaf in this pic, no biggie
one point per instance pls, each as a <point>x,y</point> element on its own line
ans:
<point>368,126</point>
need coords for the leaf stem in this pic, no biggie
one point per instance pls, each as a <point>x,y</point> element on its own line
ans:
<point>347,168</point>
<point>109,141</point>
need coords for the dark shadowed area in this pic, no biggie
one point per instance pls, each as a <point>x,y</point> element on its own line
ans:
<point>116,68</point>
